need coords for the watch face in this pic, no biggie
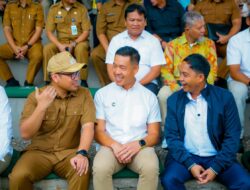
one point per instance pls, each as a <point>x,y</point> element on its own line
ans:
<point>142,142</point>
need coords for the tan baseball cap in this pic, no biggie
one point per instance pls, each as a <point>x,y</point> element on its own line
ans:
<point>64,62</point>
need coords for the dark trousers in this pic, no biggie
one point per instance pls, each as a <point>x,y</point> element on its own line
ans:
<point>176,174</point>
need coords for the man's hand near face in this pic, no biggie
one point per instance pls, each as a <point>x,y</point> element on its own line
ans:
<point>45,98</point>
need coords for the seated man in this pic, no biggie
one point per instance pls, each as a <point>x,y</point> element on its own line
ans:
<point>110,22</point>
<point>128,117</point>
<point>5,131</point>
<point>148,46</point>
<point>59,120</point>
<point>22,25</point>
<point>191,41</point>
<point>224,12</point>
<point>202,130</point>
<point>70,20</point>
<point>239,66</point>
<point>164,20</point>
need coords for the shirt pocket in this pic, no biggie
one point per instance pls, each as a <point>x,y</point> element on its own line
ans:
<point>73,115</point>
<point>111,18</point>
<point>50,120</point>
<point>30,20</point>
<point>15,19</point>
<point>208,12</point>
<point>59,22</point>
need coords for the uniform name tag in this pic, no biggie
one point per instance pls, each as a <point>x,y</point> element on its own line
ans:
<point>73,30</point>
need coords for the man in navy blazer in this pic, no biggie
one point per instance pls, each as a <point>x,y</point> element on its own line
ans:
<point>202,130</point>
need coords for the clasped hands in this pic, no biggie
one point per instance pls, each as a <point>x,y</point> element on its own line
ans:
<point>124,153</point>
<point>203,176</point>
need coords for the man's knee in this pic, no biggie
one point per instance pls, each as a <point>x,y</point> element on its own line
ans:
<point>20,175</point>
<point>104,163</point>
<point>100,169</point>
<point>36,57</point>
<point>150,169</point>
<point>245,183</point>
<point>94,54</point>
<point>81,49</point>
<point>169,179</point>
<point>97,54</point>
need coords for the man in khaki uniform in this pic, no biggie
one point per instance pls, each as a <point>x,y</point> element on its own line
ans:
<point>22,25</point>
<point>110,21</point>
<point>59,120</point>
<point>69,19</point>
<point>221,12</point>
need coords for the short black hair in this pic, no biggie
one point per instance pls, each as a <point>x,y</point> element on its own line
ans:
<point>198,63</point>
<point>135,7</point>
<point>130,52</point>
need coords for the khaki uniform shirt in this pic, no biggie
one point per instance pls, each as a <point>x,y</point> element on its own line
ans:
<point>218,13</point>
<point>61,126</point>
<point>110,20</point>
<point>61,20</point>
<point>23,21</point>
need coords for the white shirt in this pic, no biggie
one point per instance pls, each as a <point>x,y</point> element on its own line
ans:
<point>5,125</point>
<point>126,112</point>
<point>196,139</point>
<point>238,51</point>
<point>146,44</point>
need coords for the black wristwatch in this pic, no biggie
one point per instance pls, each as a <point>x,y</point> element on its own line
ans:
<point>82,152</point>
<point>29,46</point>
<point>142,143</point>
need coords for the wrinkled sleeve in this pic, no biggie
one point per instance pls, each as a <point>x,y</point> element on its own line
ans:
<point>88,109</point>
<point>100,113</point>
<point>101,23</point>
<point>50,24</point>
<point>6,17</point>
<point>40,16</point>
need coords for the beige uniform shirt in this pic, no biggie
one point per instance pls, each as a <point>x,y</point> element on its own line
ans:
<point>61,127</point>
<point>218,13</point>
<point>110,20</point>
<point>61,20</point>
<point>23,21</point>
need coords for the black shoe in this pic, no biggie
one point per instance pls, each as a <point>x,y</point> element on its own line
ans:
<point>84,83</point>
<point>12,82</point>
<point>26,84</point>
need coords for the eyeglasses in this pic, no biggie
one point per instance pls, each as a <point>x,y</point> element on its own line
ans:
<point>73,76</point>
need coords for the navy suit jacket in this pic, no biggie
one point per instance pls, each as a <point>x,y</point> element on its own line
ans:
<point>223,125</point>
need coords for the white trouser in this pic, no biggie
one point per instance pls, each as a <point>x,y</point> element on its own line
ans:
<point>240,93</point>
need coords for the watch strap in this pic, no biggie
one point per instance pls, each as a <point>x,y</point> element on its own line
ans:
<point>82,152</point>
<point>29,46</point>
